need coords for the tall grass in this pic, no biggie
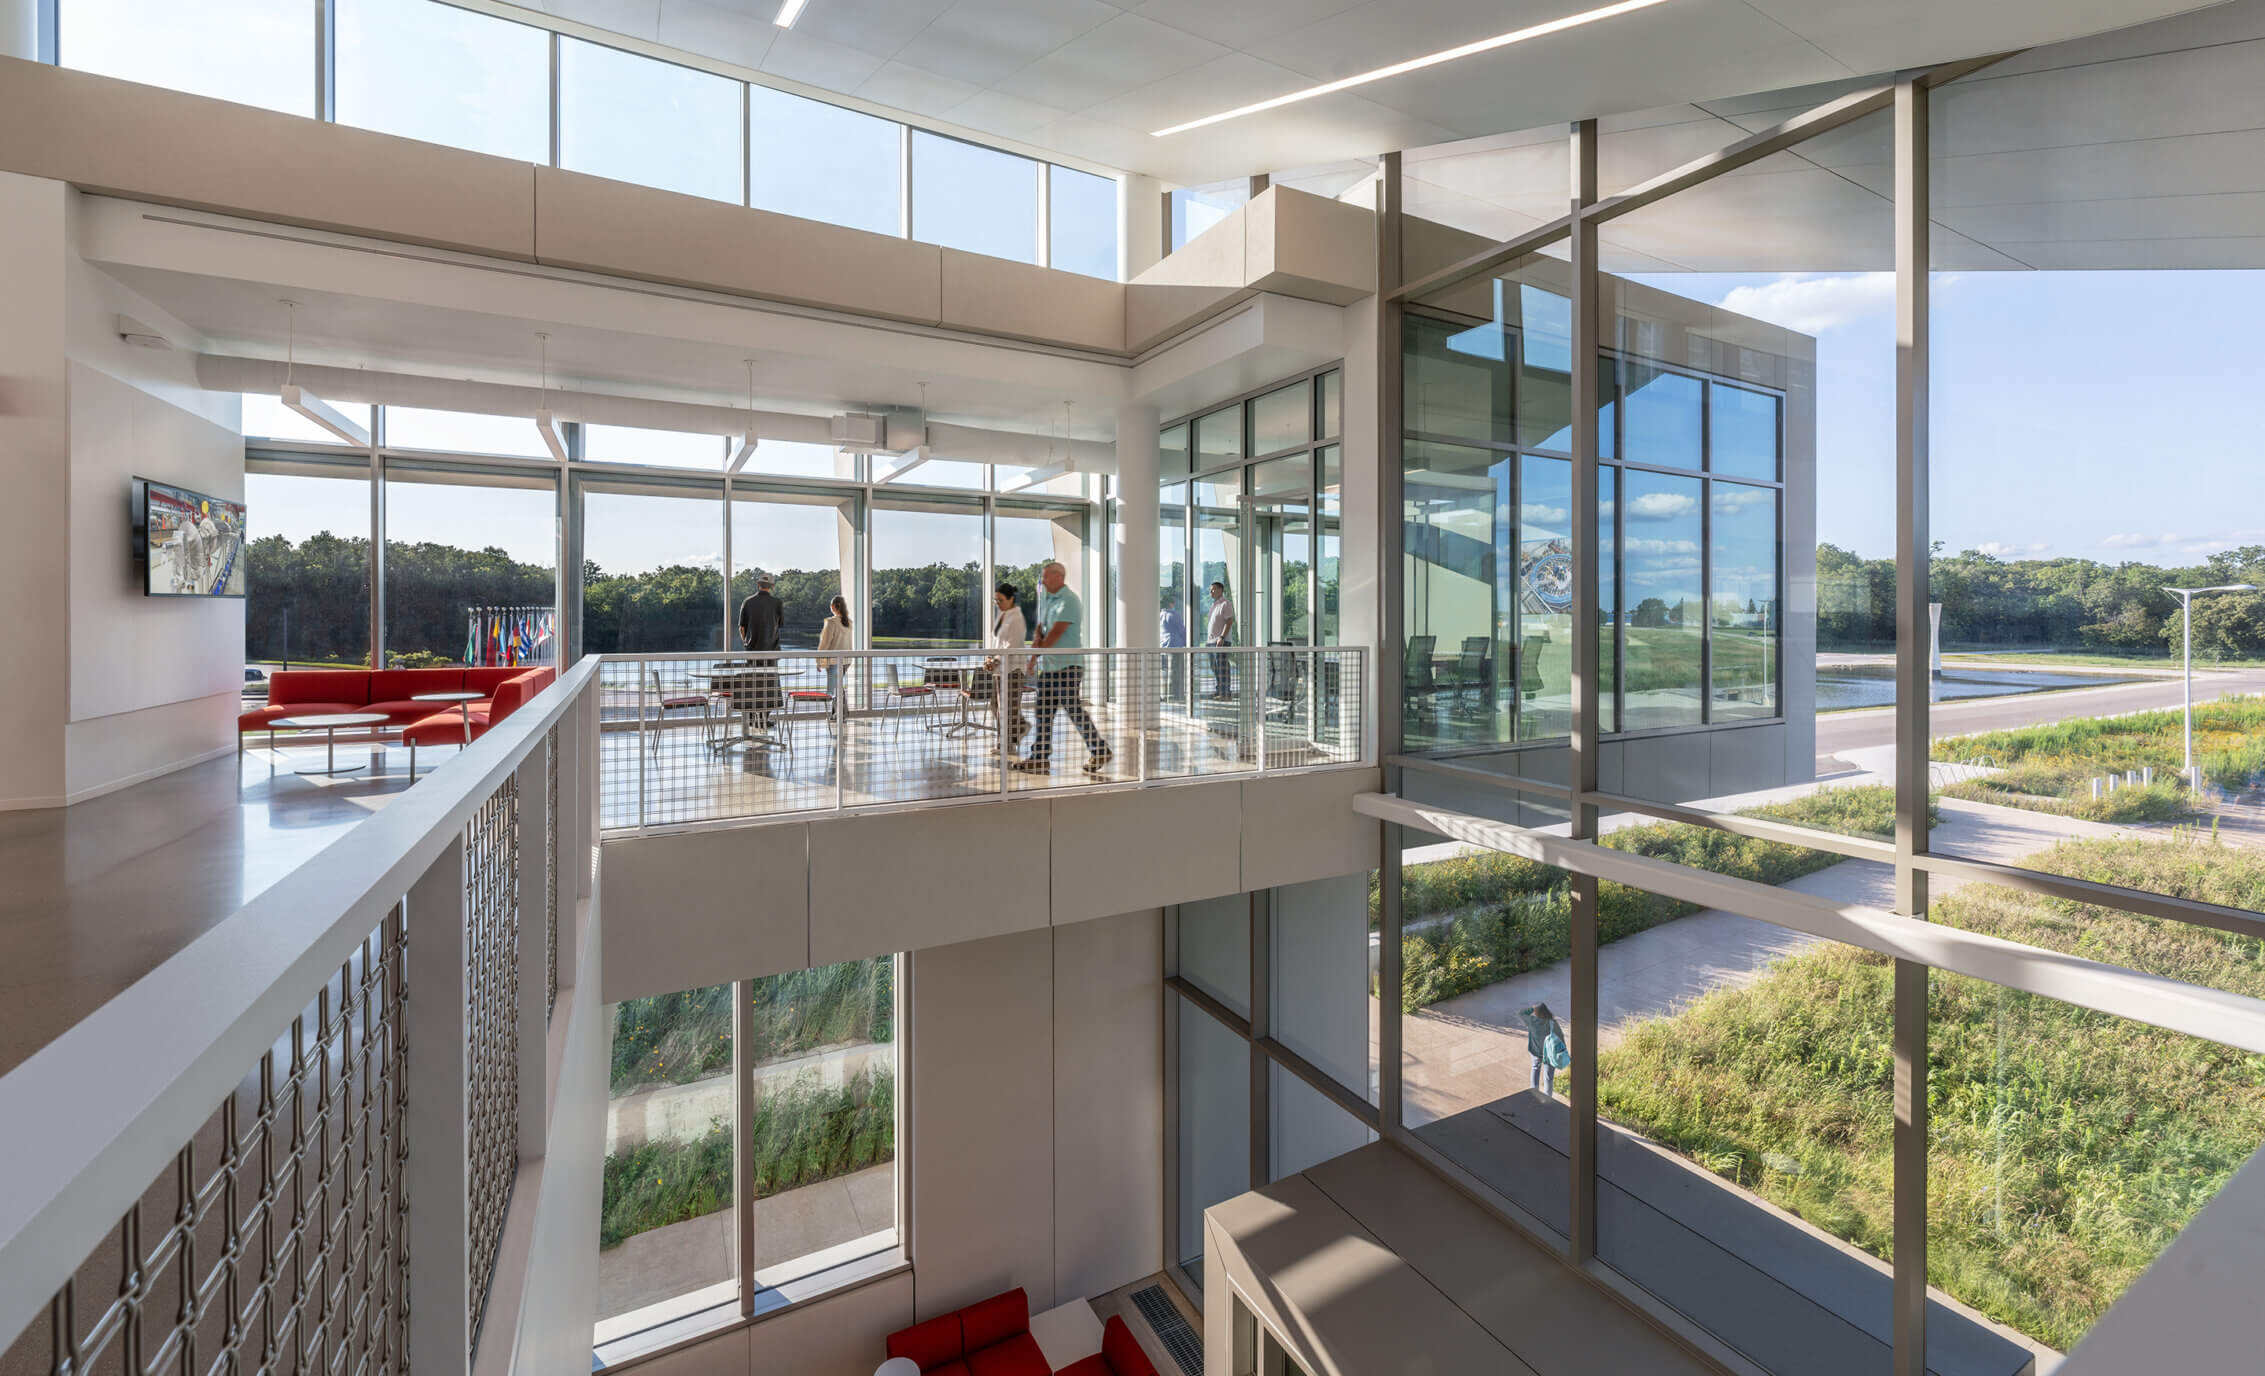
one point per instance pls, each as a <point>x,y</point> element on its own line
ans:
<point>1502,915</point>
<point>681,1037</point>
<point>2059,759</point>
<point>2067,1148</point>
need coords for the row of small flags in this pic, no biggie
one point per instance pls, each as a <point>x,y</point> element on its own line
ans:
<point>509,635</point>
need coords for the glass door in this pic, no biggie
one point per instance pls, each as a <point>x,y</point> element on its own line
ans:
<point>1278,582</point>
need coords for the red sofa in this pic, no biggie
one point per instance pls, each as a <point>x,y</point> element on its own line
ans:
<point>312,692</point>
<point>1120,1355</point>
<point>988,1338</point>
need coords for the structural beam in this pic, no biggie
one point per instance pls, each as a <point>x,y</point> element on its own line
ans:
<point>1587,738</point>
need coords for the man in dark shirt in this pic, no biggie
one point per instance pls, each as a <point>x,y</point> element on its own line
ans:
<point>760,617</point>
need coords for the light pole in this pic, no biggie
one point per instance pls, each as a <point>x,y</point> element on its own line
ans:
<point>2186,598</point>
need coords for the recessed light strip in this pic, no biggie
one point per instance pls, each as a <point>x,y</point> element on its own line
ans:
<point>1484,45</point>
<point>789,11</point>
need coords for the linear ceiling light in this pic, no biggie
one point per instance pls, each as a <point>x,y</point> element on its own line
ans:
<point>789,11</point>
<point>1484,45</point>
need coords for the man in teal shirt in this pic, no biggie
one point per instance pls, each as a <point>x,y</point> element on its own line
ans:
<point>1061,678</point>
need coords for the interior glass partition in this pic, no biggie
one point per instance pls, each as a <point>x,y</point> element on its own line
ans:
<point>307,598</point>
<point>459,539</point>
<point>652,568</point>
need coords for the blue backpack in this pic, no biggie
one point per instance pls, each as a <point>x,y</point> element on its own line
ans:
<point>1553,1050</point>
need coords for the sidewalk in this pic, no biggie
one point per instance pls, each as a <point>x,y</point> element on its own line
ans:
<point>683,1257</point>
<point>1470,1050</point>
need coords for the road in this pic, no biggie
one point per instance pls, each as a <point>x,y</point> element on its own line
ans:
<point>1838,732</point>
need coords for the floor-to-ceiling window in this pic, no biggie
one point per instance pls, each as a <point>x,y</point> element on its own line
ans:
<point>927,565</point>
<point>307,598</point>
<point>652,567</point>
<point>806,542</point>
<point>464,546</point>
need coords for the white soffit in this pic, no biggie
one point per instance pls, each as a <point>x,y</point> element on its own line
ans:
<point>1090,78</point>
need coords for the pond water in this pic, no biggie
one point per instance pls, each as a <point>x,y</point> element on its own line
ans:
<point>1873,685</point>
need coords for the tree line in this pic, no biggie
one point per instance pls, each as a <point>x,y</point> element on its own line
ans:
<point>2062,603</point>
<point>309,601</point>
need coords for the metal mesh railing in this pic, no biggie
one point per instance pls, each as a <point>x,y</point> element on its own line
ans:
<point>491,1030</point>
<point>692,738</point>
<point>277,1240</point>
<point>550,870</point>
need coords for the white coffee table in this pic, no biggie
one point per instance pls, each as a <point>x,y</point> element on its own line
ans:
<point>328,723</point>
<point>463,703</point>
<point>1067,1332</point>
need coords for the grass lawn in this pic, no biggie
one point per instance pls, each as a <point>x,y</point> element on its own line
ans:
<point>2069,1147</point>
<point>2049,768</point>
<point>2089,660</point>
<point>1505,915</point>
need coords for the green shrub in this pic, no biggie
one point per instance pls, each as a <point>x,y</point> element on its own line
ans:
<point>804,1133</point>
<point>681,1037</point>
<point>2050,767</point>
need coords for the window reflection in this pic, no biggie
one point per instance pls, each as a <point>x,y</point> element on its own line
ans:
<point>1743,561</point>
<point>1664,639</point>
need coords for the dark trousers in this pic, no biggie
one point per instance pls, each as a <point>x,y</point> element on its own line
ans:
<point>1222,676</point>
<point>1058,691</point>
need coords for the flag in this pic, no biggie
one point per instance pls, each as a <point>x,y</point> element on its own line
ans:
<point>495,639</point>
<point>472,638</point>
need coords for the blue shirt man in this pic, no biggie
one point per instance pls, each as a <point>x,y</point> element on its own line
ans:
<point>1058,607</point>
<point>1061,678</point>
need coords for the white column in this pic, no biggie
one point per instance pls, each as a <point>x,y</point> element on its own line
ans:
<point>1140,223</point>
<point>1137,609</point>
<point>19,29</point>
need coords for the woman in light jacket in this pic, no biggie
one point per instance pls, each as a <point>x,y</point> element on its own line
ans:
<point>834,635</point>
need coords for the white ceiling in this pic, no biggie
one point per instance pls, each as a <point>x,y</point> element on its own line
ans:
<point>2143,148</point>
<point>1091,78</point>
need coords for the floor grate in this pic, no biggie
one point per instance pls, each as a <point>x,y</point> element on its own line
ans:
<point>1171,1328</point>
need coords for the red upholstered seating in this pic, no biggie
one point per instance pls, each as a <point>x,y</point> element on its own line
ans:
<point>309,692</point>
<point>1120,1355</point>
<point>988,1338</point>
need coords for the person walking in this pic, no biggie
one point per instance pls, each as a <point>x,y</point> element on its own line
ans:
<point>1545,1042</point>
<point>1009,631</point>
<point>1061,678</point>
<point>834,635</point>
<point>1221,631</point>
<point>760,617</point>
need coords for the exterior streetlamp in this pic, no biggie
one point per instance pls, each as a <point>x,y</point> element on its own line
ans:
<point>2186,598</point>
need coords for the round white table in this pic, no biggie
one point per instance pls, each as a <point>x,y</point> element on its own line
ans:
<point>463,703</point>
<point>328,723</point>
<point>897,1366</point>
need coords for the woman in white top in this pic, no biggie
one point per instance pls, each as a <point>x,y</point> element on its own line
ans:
<point>834,635</point>
<point>1009,630</point>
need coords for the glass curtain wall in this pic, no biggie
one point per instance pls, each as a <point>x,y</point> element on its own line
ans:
<point>307,581</point>
<point>652,568</point>
<point>459,541</point>
<point>1750,1177</point>
<point>665,555</point>
<point>429,70</point>
<point>1261,518</point>
<point>818,1176</point>
<point>1309,1071</point>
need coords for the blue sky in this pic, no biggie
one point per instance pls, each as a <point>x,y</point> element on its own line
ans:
<point>2110,415</point>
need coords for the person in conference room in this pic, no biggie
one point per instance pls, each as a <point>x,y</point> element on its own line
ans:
<point>760,617</point>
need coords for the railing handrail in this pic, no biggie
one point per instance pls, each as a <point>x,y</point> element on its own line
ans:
<point>97,1114</point>
<point>911,651</point>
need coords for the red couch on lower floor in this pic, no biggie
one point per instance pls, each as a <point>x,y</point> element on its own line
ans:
<point>988,1338</point>
<point>1120,1355</point>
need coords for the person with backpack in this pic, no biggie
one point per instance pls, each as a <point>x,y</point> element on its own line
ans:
<point>1545,1042</point>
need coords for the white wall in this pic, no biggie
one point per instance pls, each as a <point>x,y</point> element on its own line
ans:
<point>1036,1138</point>
<point>34,558</point>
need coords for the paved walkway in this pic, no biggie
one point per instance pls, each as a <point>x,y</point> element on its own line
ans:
<point>1840,732</point>
<point>683,1257</point>
<point>1467,1051</point>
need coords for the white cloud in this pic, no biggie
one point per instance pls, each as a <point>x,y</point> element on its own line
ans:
<point>2129,540</point>
<point>1661,546</point>
<point>1662,506</point>
<point>1813,304</point>
<point>1728,498</point>
<point>1998,549</point>
<point>1534,514</point>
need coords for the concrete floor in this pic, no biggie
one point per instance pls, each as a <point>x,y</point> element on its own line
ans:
<point>682,1257</point>
<point>100,894</point>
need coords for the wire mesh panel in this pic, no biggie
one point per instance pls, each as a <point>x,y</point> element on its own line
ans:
<point>550,869</point>
<point>491,1030</point>
<point>1311,707</point>
<point>277,1240</point>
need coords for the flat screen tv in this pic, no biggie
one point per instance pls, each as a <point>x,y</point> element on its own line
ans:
<point>191,544</point>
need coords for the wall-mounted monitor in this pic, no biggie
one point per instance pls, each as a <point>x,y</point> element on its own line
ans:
<point>189,544</point>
